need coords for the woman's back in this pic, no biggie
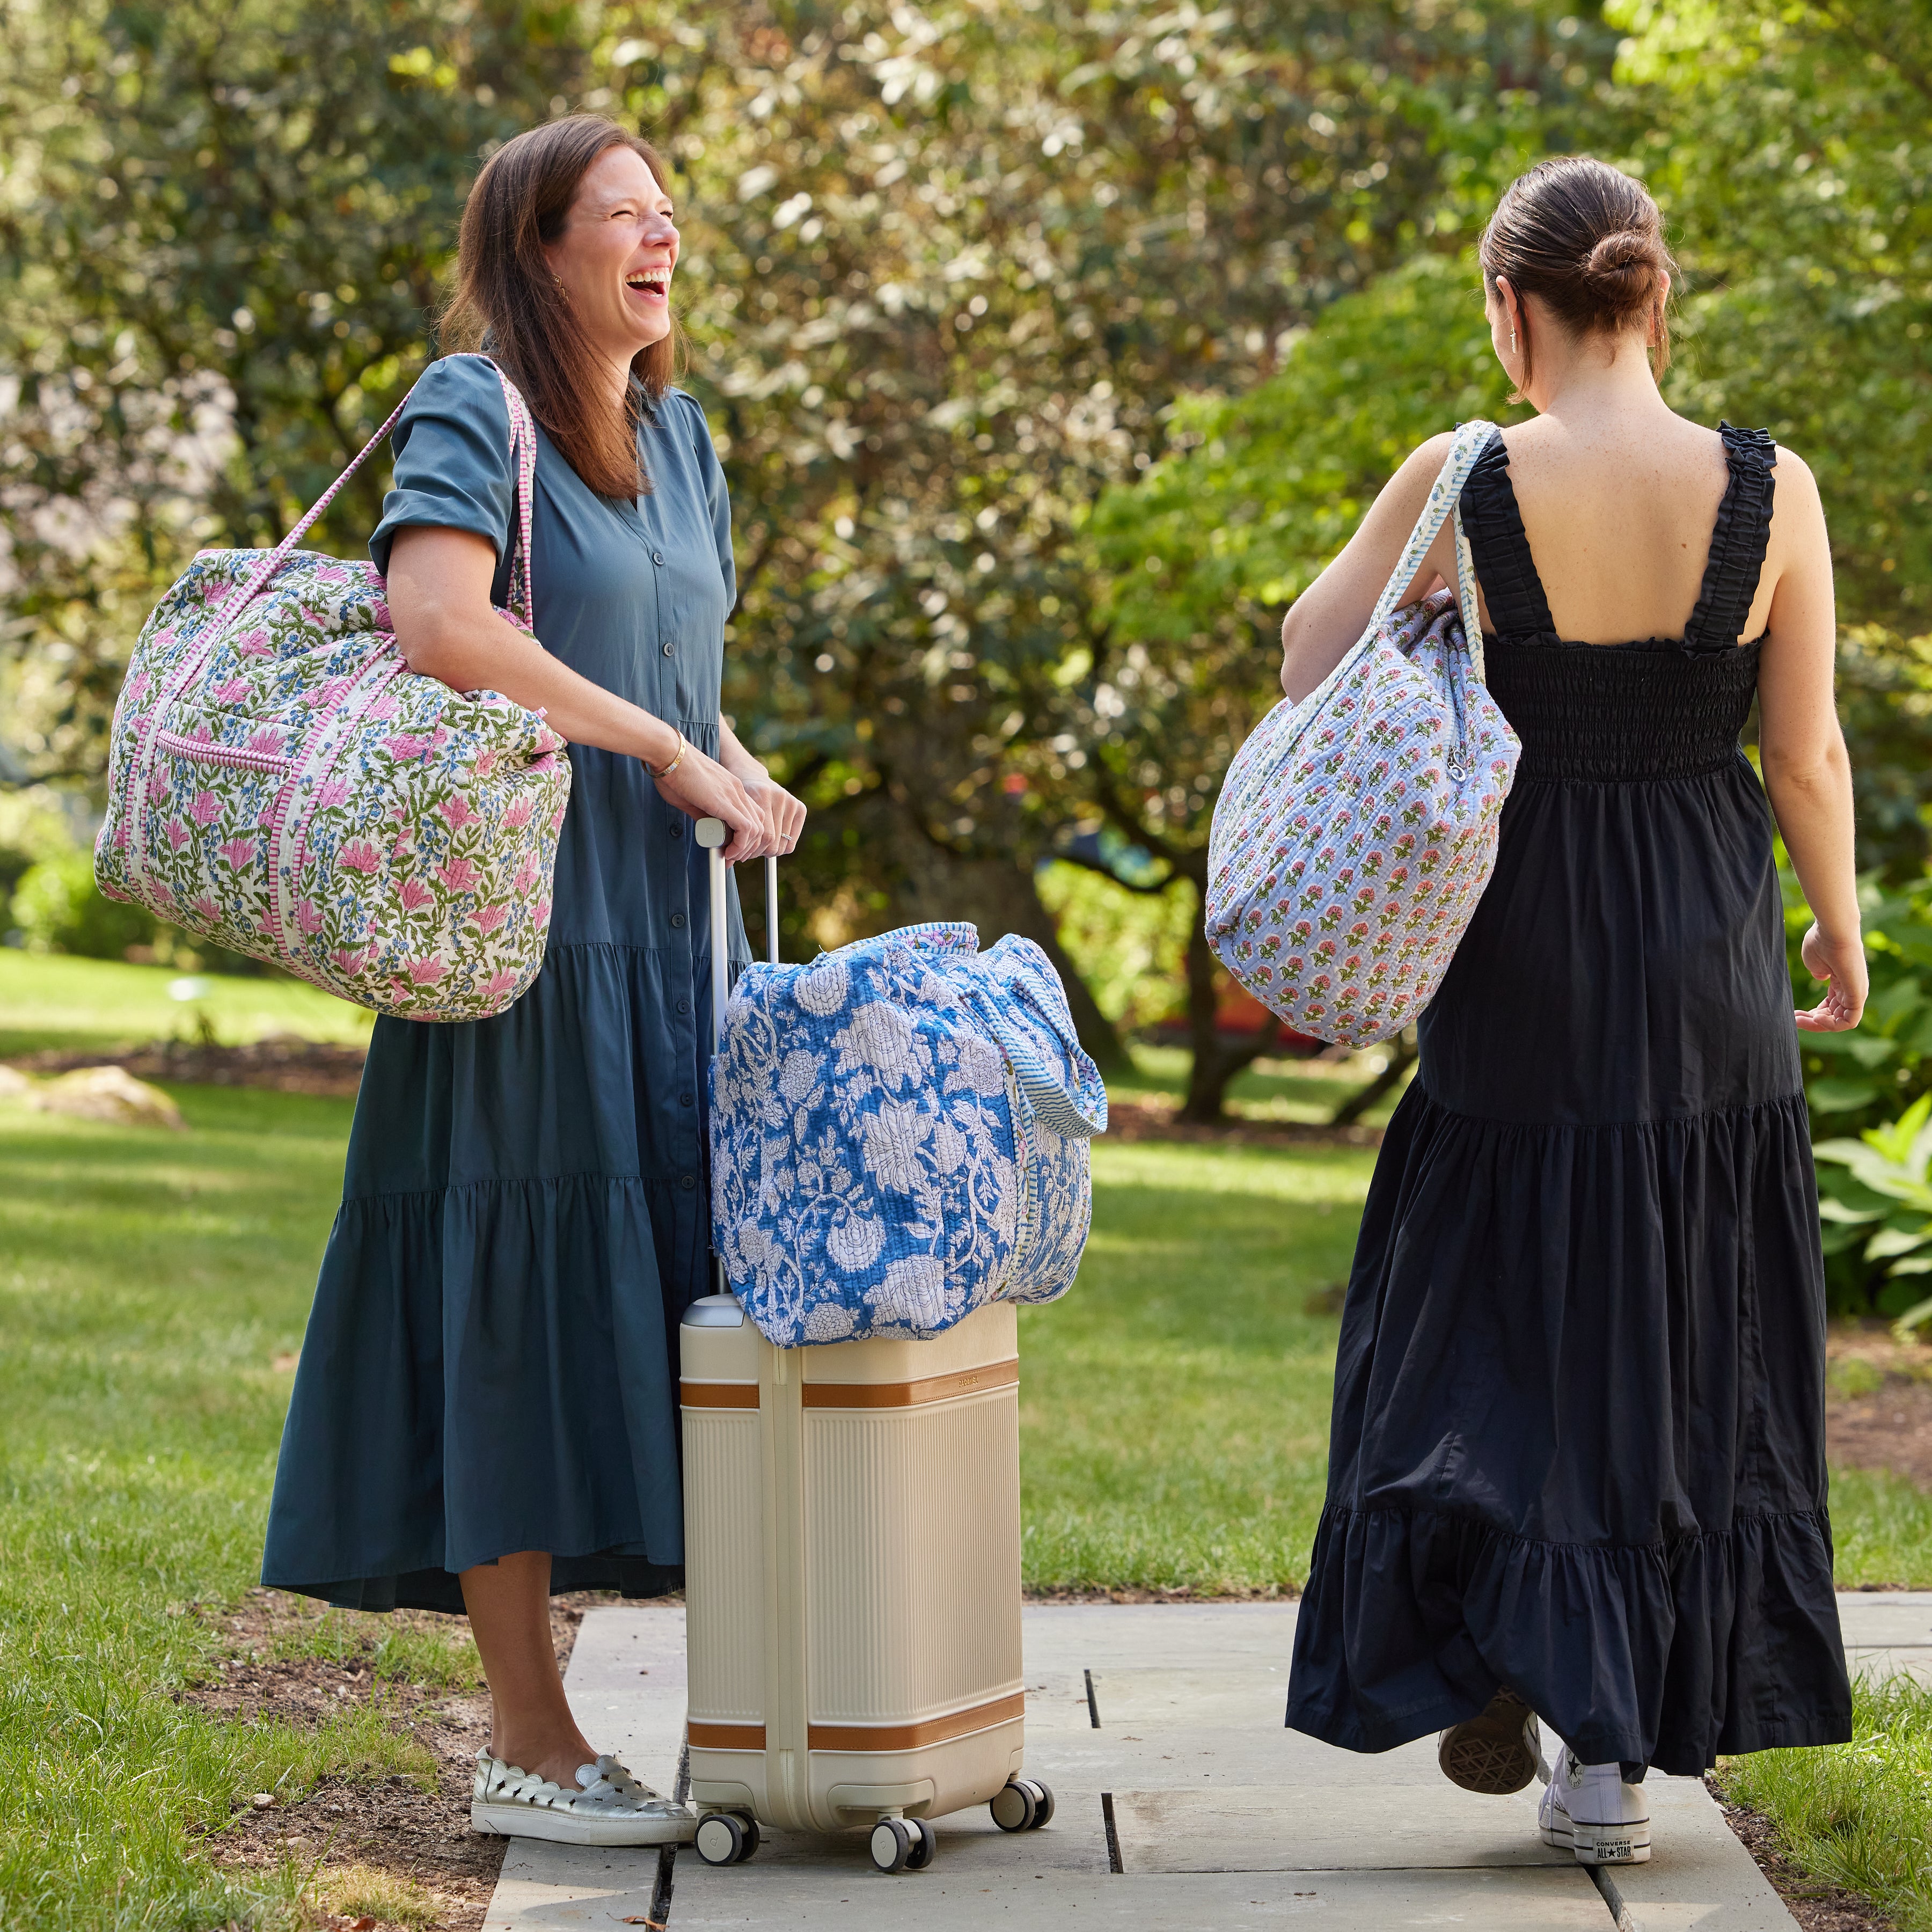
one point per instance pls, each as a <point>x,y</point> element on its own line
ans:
<point>1619,510</point>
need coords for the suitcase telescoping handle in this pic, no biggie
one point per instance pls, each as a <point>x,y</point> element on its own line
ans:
<point>712,834</point>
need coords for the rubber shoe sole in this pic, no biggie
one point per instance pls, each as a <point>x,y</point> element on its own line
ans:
<point>1600,1844</point>
<point>570,1828</point>
<point>1492,1753</point>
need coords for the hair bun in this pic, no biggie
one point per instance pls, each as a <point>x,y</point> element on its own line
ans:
<point>1622,269</point>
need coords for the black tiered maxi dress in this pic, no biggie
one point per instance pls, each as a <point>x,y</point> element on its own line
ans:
<point>1578,1441</point>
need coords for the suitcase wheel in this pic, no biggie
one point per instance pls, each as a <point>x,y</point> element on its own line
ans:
<point>727,1838</point>
<point>1021,1805</point>
<point>903,1844</point>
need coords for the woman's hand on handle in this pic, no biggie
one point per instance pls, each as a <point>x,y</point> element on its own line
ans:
<point>1842,963</point>
<point>784,816</point>
<point>702,787</point>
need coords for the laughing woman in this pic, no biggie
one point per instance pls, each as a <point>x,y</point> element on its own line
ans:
<point>485,1411</point>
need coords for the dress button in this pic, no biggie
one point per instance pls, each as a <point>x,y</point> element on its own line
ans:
<point>669,650</point>
<point>677,828</point>
<point>686,1100</point>
<point>687,1181</point>
<point>657,556</point>
<point>684,1006</point>
<point>677,921</point>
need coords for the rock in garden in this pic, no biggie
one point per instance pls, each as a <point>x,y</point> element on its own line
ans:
<point>109,1094</point>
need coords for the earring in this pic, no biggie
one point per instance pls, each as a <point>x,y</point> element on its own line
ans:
<point>1512,342</point>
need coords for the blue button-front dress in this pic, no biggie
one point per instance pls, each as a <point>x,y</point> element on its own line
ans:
<point>490,1363</point>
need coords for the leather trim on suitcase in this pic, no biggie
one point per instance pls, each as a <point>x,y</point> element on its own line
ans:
<point>727,1737</point>
<point>718,1395</point>
<point>909,1737</point>
<point>911,1395</point>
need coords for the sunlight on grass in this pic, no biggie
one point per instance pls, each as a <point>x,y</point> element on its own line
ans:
<point>52,1000</point>
<point>141,1421</point>
<point>1881,1531</point>
<point>1174,1406</point>
<point>1306,1092</point>
<point>355,1891</point>
<point>1859,1814</point>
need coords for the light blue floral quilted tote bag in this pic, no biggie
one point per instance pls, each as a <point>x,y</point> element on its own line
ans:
<point>899,1135</point>
<point>1356,830</point>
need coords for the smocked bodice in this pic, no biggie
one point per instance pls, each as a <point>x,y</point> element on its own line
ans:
<point>1661,708</point>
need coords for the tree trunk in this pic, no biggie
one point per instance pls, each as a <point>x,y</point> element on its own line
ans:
<point>999,897</point>
<point>1402,1056</point>
<point>1215,1062</point>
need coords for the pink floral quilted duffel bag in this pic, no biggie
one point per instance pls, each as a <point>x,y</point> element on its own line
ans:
<point>1356,830</point>
<point>282,783</point>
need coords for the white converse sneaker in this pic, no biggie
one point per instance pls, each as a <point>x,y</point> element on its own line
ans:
<point>1589,1810</point>
<point>609,1807</point>
<point>1496,1752</point>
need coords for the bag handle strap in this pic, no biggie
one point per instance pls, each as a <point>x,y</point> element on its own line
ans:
<point>523,453</point>
<point>1444,503</point>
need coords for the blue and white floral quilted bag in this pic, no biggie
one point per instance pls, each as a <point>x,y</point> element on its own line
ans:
<point>899,1135</point>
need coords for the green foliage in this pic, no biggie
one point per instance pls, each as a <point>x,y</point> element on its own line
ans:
<point>222,235</point>
<point>1886,1211</point>
<point>1127,946</point>
<point>1861,1078</point>
<point>1266,487</point>
<point>59,908</point>
<point>33,827</point>
<point>1860,1814</point>
<point>1788,143</point>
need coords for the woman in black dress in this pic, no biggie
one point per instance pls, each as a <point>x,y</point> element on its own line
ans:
<point>1577,1466</point>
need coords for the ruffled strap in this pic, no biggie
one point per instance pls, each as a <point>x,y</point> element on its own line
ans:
<point>1737,541</point>
<point>1505,568</point>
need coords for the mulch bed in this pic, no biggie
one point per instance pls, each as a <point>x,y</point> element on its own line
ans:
<point>388,1826</point>
<point>1891,1427</point>
<point>282,1062</point>
<point>1817,1905</point>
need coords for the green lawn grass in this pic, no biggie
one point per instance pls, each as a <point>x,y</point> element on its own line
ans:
<point>1174,1406</point>
<point>1174,1416</point>
<point>148,1281</point>
<point>1304,1091</point>
<point>49,1001</point>
<point>1860,1816</point>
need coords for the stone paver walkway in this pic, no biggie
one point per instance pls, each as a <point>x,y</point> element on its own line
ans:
<point>1220,1817</point>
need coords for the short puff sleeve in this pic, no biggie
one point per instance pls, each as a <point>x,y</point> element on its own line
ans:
<point>453,467</point>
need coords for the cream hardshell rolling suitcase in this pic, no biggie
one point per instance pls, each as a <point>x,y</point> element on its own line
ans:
<point>852,1572</point>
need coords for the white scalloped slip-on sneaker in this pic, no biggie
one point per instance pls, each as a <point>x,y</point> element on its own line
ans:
<point>610,1807</point>
<point>1589,1810</point>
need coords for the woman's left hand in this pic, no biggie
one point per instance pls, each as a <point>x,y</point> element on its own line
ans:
<point>784,816</point>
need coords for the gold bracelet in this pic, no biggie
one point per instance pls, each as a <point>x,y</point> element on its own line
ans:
<point>666,771</point>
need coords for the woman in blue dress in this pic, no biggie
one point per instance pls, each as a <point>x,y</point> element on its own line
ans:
<point>485,1410</point>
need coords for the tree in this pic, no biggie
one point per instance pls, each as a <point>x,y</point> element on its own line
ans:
<point>971,255</point>
<point>1205,552</point>
<point>946,270</point>
<point>1790,145</point>
<point>222,239</point>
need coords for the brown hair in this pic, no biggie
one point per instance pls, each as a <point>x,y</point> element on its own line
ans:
<point>506,300</point>
<point>1587,239</point>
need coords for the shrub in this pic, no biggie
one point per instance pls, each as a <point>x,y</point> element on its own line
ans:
<point>59,908</point>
